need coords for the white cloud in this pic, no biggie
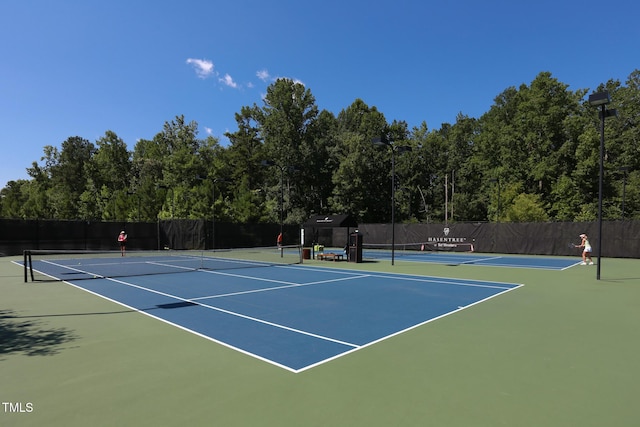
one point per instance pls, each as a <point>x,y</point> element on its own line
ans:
<point>203,67</point>
<point>263,75</point>
<point>209,131</point>
<point>227,80</point>
<point>293,79</point>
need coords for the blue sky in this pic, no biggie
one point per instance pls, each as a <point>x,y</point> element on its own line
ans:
<point>82,67</point>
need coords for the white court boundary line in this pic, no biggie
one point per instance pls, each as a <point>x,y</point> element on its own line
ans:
<point>441,259</point>
<point>352,274</point>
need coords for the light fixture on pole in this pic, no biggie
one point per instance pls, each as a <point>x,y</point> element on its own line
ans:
<point>394,149</point>
<point>601,99</point>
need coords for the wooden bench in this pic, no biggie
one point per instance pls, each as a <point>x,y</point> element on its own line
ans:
<point>329,256</point>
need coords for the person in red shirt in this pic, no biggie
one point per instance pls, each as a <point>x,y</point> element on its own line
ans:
<point>122,239</point>
<point>279,240</point>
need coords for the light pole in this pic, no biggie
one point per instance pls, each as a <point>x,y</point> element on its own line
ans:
<point>213,214</point>
<point>164,187</point>
<point>394,149</point>
<point>213,207</point>
<point>282,169</point>
<point>601,99</point>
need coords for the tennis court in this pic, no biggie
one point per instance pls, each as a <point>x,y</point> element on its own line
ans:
<point>466,258</point>
<point>555,352</point>
<point>289,315</point>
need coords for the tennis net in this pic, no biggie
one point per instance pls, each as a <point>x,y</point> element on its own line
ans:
<point>60,265</point>
<point>416,247</point>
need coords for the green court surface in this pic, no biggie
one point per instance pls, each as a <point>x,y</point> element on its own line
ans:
<point>560,351</point>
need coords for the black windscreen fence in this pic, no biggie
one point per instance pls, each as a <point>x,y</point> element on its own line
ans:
<point>620,238</point>
<point>19,235</point>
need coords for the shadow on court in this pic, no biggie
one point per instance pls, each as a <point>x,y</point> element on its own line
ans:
<point>30,337</point>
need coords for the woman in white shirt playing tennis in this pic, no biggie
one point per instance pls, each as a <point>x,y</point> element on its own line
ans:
<point>586,250</point>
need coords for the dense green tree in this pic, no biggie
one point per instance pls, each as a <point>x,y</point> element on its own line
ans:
<point>241,166</point>
<point>531,137</point>
<point>317,165</point>
<point>566,199</point>
<point>37,204</point>
<point>429,172</point>
<point>623,147</point>
<point>108,174</point>
<point>147,173</point>
<point>173,160</point>
<point>465,175</point>
<point>13,198</point>
<point>361,178</point>
<point>69,178</point>
<point>526,208</point>
<point>285,121</point>
<point>534,155</point>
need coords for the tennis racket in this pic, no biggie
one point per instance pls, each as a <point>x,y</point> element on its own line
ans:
<point>573,245</point>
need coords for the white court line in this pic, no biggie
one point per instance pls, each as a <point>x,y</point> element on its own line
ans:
<point>405,330</point>
<point>442,260</point>
<point>481,259</point>
<point>188,300</point>
<point>356,274</point>
<point>410,276</point>
<point>255,319</point>
<point>442,281</point>
<point>68,268</point>
<point>275,288</point>
<point>524,266</point>
<point>452,260</point>
<point>353,275</point>
<point>571,266</point>
<point>179,326</point>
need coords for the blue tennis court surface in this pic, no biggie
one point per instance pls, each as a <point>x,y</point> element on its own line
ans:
<point>490,260</point>
<point>294,317</point>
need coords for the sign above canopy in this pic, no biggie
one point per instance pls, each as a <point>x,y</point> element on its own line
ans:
<point>330,221</point>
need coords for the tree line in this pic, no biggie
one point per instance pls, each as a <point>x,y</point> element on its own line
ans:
<point>534,156</point>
